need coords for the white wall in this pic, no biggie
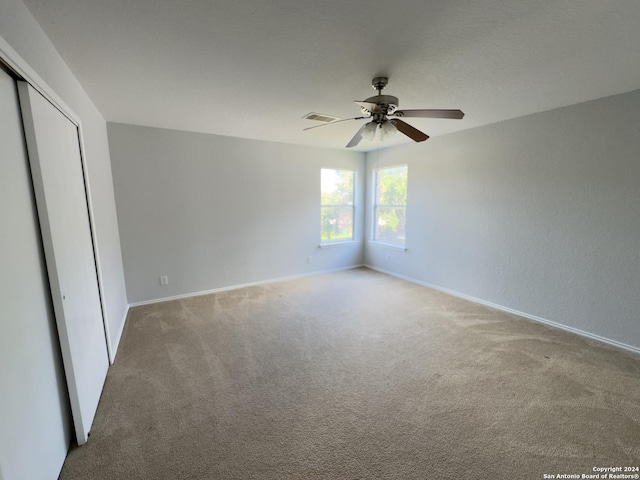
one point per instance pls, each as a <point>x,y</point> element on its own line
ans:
<point>539,214</point>
<point>213,212</point>
<point>24,35</point>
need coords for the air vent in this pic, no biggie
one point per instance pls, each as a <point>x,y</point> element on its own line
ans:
<point>319,117</point>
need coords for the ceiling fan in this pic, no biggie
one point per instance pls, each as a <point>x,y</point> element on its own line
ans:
<point>380,108</point>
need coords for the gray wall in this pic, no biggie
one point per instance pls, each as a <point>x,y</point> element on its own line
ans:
<point>539,214</point>
<point>25,36</point>
<point>213,212</point>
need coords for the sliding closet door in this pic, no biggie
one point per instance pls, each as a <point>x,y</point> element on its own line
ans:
<point>58,179</point>
<point>35,419</point>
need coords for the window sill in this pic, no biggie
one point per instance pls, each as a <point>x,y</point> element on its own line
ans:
<point>388,245</point>
<point>338,244</point>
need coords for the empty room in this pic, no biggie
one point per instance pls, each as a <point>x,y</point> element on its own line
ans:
<point>319,240</point>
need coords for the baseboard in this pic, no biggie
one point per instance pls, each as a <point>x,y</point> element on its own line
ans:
<point>242,285</point>
<point>114,350</point>
<point>535,318</point>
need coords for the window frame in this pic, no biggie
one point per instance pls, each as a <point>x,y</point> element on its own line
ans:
<point>375,207</point>
<point>352,206</point>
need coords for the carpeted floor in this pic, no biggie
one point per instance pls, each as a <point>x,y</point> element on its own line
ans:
<point>356,375</point>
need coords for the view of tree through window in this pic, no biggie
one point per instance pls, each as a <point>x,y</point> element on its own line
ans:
<point>336,211</point>
<point>390,208</point>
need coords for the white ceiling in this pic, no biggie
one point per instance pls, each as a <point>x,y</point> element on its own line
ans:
<point>253,68</point>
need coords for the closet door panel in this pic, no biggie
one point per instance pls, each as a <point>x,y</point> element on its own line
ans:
<point>58,179</point>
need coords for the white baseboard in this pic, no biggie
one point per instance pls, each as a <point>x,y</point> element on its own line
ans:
<point>535,318</point>
<point>242,285</point>
<point>114,350</point>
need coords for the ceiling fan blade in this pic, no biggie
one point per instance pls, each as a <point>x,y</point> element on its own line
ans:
<point>453,114</point>
<point>331,123</point>
<point>357,137</point>
<point>411,132</point>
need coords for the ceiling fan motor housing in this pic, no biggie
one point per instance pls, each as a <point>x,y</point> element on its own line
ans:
<point>385,104</point>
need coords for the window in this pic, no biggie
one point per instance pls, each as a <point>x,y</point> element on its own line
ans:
<point>390,205</point>
<point>336,209</point>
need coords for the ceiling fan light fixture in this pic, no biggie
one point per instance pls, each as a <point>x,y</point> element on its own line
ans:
<point>387,129</point>
<point>369,131</point>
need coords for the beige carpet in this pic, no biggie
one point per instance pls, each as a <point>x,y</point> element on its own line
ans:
<point>356,375</point>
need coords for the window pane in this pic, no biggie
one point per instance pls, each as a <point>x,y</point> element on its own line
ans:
<point>336,187</point>
<point>391,186</point>
<point>390,207</point>
<point>337,223</point>
<point>390,225</point>
<point>336,210</point>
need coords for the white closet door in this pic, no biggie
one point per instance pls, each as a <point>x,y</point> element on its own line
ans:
<point>35,420</point>
<point>58,179</point>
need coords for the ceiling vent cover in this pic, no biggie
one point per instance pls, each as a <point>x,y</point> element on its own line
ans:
<point>320,117</point>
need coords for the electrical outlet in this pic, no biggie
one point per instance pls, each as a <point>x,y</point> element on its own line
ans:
<point>164,280</point>
<point>309,259</point>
